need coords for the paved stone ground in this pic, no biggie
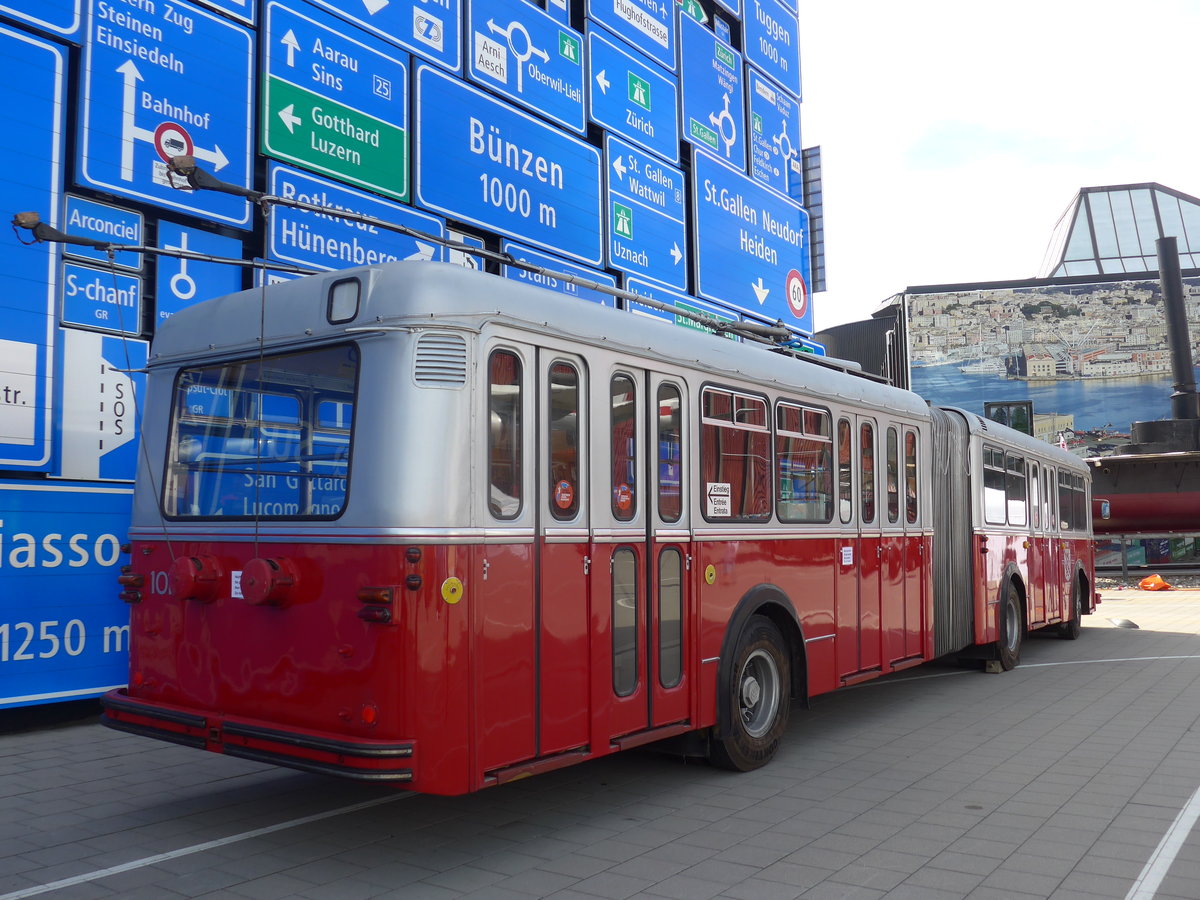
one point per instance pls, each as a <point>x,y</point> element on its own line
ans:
<point>1056,780</point>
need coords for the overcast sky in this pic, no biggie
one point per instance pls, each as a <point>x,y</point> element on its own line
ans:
<point>954,134</point>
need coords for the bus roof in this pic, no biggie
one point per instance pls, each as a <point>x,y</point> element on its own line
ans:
<point>428,294</point>
<point>978,425</point>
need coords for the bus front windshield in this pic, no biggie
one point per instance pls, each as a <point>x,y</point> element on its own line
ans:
<point>266,437</point>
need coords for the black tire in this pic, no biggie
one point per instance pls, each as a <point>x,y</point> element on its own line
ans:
<point>759,697</point>
<point>1011,627</point>
<point>1070,629</point>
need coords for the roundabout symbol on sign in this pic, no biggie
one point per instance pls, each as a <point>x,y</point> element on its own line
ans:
<point>170,140</point>
<point>797,294</point>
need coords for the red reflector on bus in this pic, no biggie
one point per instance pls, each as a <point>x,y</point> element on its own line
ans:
<point>375,595</point>
<point>370,714</point>
<point>380,614</point>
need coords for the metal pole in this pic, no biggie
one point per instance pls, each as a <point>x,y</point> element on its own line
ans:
<point>1185,402</point>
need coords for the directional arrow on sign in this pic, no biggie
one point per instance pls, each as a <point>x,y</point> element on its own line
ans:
<point>130,131</point>
<point>289,41</point>
<point>424,253</point>
<point>374,6</point>
<point>602,80</point>
<point>760,291</point>
<point>290,119</point>
<point>618,165</point>
<point>676,253</point>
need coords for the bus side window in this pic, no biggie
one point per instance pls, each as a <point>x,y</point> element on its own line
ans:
<point>504,435</point>
<point>1035,506</point>
<point>670,453</point>
<point>910,477</point>
<point>564,441</point>
<point>1014,490</point>
<point>867,487</point>
<point>624,448</point>
<point>893,475</point>
<point>993,486</point>
<point>845,473</point>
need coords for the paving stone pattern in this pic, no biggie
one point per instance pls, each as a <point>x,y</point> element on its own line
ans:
<point>1056,780</point>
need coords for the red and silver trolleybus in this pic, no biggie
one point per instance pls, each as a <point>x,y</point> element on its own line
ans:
<point>416,524</point>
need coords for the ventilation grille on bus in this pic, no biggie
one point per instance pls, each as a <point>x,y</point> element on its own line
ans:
<point>441,361</point>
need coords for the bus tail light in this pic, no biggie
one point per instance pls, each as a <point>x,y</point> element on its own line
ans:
<point>194,578</point>
<point>377,604</point>
<point>269,582</point>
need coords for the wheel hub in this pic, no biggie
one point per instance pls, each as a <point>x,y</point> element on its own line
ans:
<point>751,691</point>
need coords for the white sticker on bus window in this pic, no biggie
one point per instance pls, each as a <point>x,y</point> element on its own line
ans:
<point>848,556</point>
<point>718,499</point>
<point>235,587</point>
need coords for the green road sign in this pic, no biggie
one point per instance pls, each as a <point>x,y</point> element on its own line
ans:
<point>324,136</point>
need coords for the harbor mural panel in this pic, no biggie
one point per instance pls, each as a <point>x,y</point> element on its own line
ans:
<point>1093,358</point>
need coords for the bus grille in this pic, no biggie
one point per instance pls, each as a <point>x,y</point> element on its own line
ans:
<point>441,361</point>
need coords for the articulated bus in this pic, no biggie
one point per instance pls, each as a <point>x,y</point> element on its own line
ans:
<point>415,524</point>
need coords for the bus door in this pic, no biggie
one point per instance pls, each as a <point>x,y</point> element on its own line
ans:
<point>618,556</point>
<point>1053,517</point>
<point>892,580</point>
<point>501,598</point>
<point>859,549</point>
<point>1039,549</point>
<point>669,553</point>
<point>563,679</point>
<point>902,556</point>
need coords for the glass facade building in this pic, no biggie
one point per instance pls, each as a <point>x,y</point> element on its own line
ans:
<point>1111,231</point>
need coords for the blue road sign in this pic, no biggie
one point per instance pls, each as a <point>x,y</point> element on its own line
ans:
<point>462,257</point>
<point>710,83</point>
<point>61,545</point>
<point>482,161</point>
<point>663,294</point>
<point>31,178</point>
<point>632,98</point>
<point>102,222</point>
<point>774,135</point>
<point>649,25</point>
<point>646,228</point>
<point>324,241</point>
<point>183,282</point>
<point>751,245</point>
<point>558,264</point>
<point>524,54</point>
<point>772,41</point>
<point>243,10</point>
<point>63,17</point>
<point>97,421</point>
<point>722,29</point>
<point>163,80</point>
<point>429,28</point>
<point>102,298</point>
<point>335,104</point>
<point>264,274</point>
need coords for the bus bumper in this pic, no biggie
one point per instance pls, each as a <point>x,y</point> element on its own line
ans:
<point>363,760</point>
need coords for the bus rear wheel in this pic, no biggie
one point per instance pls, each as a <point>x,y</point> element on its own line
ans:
<point>759,698</point>
<point>1011,628</point>
<point>1069,630</point>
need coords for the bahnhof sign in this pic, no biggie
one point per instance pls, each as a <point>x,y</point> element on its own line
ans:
<point>647,145</point>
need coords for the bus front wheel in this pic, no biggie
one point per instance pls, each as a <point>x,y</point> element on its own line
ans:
<point>759,698</point>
